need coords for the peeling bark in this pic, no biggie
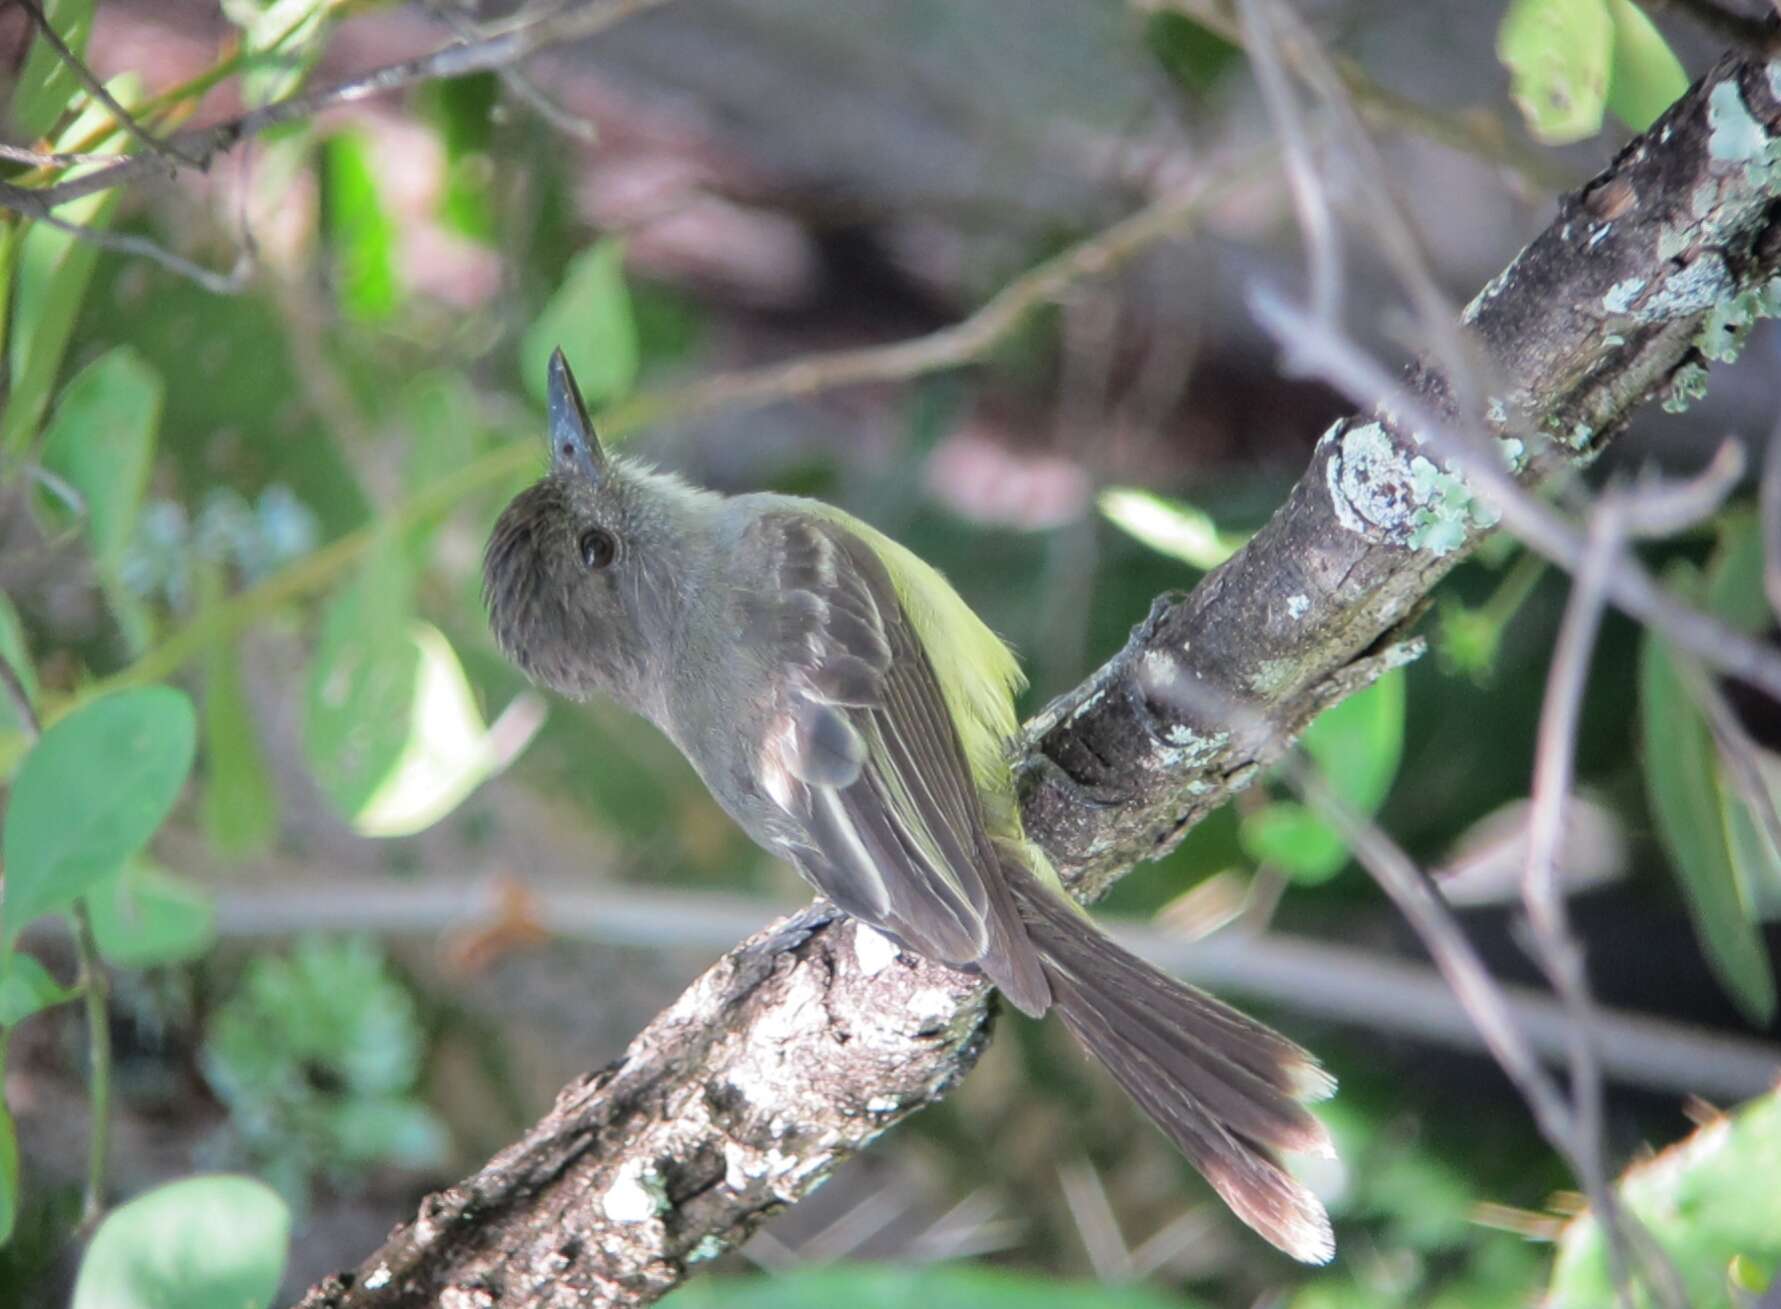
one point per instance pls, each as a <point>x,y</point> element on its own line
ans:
<point>810,1039</point>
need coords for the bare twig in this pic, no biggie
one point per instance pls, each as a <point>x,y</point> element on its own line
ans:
<point>95,88</point>
<point>571,23</point>
<point>1316,222</point>
<point>129,243</point>
<point>1308,347</point>
<point>18,154</point>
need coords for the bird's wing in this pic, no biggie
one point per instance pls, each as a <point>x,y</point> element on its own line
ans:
<point>863,754</point>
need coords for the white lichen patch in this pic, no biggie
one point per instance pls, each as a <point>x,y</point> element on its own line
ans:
<point>636,1195</point>
<point>873,950</point>
<point>1620,296</point>
<point>930,1005</point>
<point>380,1277</point>
<point>1734,136</point>
<point>1514,452</point>
<point>883,1104</point>
<point>1297,606</point>
<point>709,1247</point>
<point>1688,291</point>
<point>1599,235</point>
<point>1378,492</point>
<point>1496,411</point>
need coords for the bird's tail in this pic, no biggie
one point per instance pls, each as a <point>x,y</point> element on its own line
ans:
<point>1222,1087</point>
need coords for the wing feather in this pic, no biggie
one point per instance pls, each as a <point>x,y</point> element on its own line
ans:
<point>871,764</point>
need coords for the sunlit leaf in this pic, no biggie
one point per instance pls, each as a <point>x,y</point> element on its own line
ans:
<point>1680,778</point>
<point>1709,1200</point>
<point>361,682</point>
<point>26,988</point>
<point>957,1286</point>
<point>446,754</point>
<point>1171,527</point>
<point>282,38</point>
<point>145,917</point>
<point>101,442</point>
<point>200,1243</point>
<point>1646,78</point>
<point>1558,53</point>
<point>46,83</point>
<point>54,268</point>
<point>90,794</point>
<point>590,318</point>
<point>360,234</point>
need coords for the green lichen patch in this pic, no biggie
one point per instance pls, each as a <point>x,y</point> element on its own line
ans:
<point>1379,492</point>
<point>1687,384</point>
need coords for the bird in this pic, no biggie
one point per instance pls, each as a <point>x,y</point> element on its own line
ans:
<point>852,714</point>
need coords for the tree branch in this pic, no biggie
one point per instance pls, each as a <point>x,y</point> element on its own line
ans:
<point>802,1045</point>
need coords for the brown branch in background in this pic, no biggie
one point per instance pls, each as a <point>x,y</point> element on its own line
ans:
<point>799,1047</point>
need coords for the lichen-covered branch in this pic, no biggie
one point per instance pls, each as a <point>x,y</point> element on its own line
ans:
<point>807,1041</point>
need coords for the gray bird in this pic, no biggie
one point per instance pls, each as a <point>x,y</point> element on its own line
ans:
<point>852,714</point>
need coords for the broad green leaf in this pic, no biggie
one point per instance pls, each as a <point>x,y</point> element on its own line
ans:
<point>13,737</point>
<point>439,415</point>
<point>1357,744</point>
<point>90,794</point>
<point>199,1243</point>
<point>1646,78</point>
<point>53,270</point>
<point>1359,741</point>
<point>1558,53</point>
<point>360,234</point>
<point>446,753</point>
<point>239,804</point>
<point>1288,835</point>
<point>1680,779</point>
<point>1709,1201</point>
<point>9,1164</point>
<point>463,110</point>
<point>101,441</point>
<point>1755,861</point>
<point>590,318</point>
<point>1191,54</point>
<point>144,917</point>
<point>46,84</point>
<point>1734,577</point>
<point>1171,527</point>
<point>955,1286</point>
<point>361,682</point>
<point>26,988</point>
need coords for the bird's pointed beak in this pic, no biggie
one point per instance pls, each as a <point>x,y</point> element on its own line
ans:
<point>574,448</point>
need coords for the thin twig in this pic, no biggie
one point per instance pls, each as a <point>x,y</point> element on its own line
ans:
<point>18,154</point>
<point>573,23</point>
<point>131,244</point>
<point>95,989</point>
<point>1307,348</point>
<point>96,89</point>
<point>1310,199</point>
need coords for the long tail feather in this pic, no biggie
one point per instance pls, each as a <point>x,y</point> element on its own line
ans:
<point>1222,1087</point>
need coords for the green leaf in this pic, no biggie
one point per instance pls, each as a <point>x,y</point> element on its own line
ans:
<point>54,268</point>
<point>1755,861</point>
<point>26,988</point>
<point>9,1163</point>
<point>590,318</point>
<point>46,84</point>
<point>282,40</point>
<point>200,1243</point>
<point>239,804</point>
<point>145,917</point>
<point>1295,840</point>
<point>446,754</point>
<point>463,110</point>
<point>101,441</point>
<point>1680,781</point>
<point>439,415</point>
<point>13,733</point>
<point>1734,575</point>
<point>1646,77</point>
<point>1171,527</point>
<point>90,794</point>
<point>1191,54</point>
<point>358,231</point>
<point>361,682</point>
<point>1359,741</point>
<point>957,1286</point>
<point>1709,1201</point>
<point>1558,53</point>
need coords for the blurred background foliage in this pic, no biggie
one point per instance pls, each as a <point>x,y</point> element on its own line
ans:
<point>337,902</point>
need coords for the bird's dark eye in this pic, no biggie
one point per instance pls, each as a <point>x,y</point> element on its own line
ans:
<point>598,547</point>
